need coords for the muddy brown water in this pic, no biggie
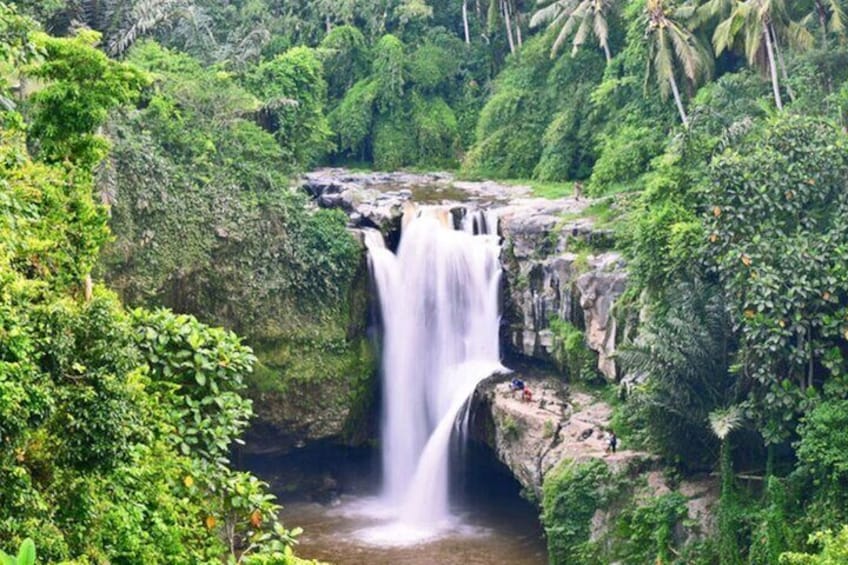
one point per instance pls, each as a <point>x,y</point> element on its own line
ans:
<point>333,497</point>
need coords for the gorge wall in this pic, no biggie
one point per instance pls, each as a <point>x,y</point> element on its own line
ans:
<point>315,379</point>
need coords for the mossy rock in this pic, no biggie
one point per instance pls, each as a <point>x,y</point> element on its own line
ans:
<point>306,392</point>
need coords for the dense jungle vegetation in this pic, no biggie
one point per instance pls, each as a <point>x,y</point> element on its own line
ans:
<point>720,123</point>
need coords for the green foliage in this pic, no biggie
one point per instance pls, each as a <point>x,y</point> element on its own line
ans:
<point>557,140</point>
<point>82,86</point>
<point>345,57</point>
<point>777,210</point>
<point>217,206</point>
<point>388,73</point>
<point>645,531</point>
<point>293,92</point>
<point>624,158</point>
<point>431,66</point>
<point>115,429</point>
<point>352,120</point>
<point>682,355</point>
<point>823,463</point>
<point>500,150</point>
<point>436,131</point>
<point>571,494</point>
<point>771,536</point>
<point>821,447</point>
<point>571,352</point>
<point>25,556</point>
<point>510,429</point>
<point>834,550</point>
<point>394,147</point>
<point>203,363</point>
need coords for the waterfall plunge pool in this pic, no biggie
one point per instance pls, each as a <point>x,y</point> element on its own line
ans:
<point>332,493</point>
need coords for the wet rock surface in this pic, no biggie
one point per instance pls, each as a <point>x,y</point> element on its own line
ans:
<point>557,263</point>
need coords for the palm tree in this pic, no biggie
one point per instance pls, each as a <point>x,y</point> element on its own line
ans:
<point>722,423</point>
<point>763,22</point>
<point>508,11</point>
<point>831,15</point>
<point>140,18</point>
<point>669,40</point>
<point>581,17</point>
<point>682,357</point>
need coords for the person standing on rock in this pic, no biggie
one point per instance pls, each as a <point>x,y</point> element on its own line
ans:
<point>612,442</point>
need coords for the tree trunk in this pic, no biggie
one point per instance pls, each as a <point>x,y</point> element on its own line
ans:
<point>607,53</point>
<point>518,29</point>
<point>782,64</point>
<point>775,84</point>
<point>88,288</point>
<point>508,24</point>
<point>811,363</point>
<point>465,21</point>
<point>678,101</point>
<point>820,9</point>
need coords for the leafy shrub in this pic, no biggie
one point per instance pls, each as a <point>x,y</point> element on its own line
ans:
<point>345,57</point>
<point>294,92</point>
<point>571,352</point>
<point>646,530</point>
<point>834,550</point>
<point>353,119</point>
<point>394,144</point>
<point>624,157</point>
<point>436,131</point>
<point>25,556</point>
<point>571,494</point>
<point>430,66</point>
<point>388,73</point>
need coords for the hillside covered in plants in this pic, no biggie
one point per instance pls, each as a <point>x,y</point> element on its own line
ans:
<point>149,152</point>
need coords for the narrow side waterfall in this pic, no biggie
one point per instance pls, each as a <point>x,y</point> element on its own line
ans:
<point>439,304</point>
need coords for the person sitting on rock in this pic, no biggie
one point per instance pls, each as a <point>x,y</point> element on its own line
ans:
<point>516,384</point>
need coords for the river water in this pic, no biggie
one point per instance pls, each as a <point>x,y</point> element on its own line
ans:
<point>335,500</point>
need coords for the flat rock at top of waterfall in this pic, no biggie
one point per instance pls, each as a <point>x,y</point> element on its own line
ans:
<point>532,437</point>
<point>377,199</point>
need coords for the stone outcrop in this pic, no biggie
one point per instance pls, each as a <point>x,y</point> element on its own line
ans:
<point>532,437</point>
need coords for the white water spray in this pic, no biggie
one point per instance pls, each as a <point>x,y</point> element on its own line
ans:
<point>439,304</point>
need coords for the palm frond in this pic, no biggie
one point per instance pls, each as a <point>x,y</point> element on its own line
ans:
<point>144,16</point>
<point>724,421</point>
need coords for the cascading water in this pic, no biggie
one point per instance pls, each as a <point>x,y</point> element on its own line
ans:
<point>439,304</point>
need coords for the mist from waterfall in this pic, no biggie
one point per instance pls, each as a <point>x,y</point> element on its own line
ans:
<point>439,305</point>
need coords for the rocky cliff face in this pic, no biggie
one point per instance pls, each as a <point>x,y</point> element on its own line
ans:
<point>557,264</point>
<point>560,268</point>
<point>566,427</point>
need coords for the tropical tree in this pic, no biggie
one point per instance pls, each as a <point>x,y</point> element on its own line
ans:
<point>509,12</point>
<point>763,23</point>
<point>831,16</point>
<point>682,356</point>
<point>580,17</point>
<point>722,423</point>
<point>670,40</point>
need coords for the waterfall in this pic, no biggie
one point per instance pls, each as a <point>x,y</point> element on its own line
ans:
<point>439,304</point>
